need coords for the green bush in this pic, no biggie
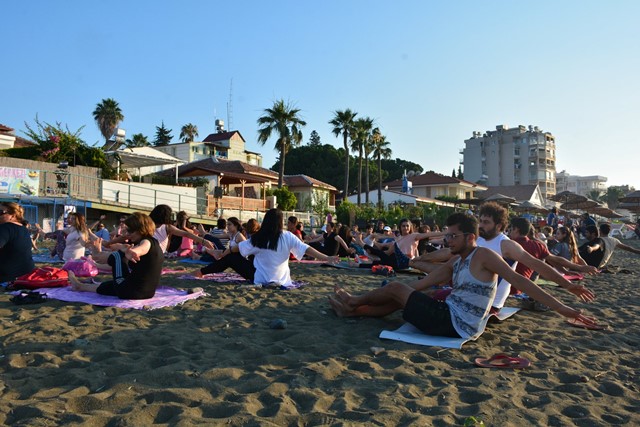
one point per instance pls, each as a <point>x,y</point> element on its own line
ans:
<point>286,199</point>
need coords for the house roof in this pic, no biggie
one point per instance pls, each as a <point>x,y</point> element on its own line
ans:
<point>22,142</point>
<point>518,192</point>
<point>5,128</point>
<point>306,181</point>
<point>222,136</point>
<point>433,178</point>
<point>139,157</point>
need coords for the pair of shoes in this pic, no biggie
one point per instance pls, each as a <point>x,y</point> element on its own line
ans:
<point>502,361</point>
<point>31,297</point>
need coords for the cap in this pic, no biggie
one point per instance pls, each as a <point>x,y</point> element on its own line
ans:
<point>387,228</point>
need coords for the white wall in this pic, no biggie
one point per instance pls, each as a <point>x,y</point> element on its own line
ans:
<point>141,195</point>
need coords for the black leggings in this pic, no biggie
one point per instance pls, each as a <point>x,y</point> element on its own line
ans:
<point>385,259</point>
<point>235,261</point>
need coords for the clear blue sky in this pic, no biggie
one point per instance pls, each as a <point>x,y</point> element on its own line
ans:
<point>430,73</point>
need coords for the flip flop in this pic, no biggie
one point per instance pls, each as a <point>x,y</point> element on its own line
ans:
<point>578,324</point>
<point>502,361</point>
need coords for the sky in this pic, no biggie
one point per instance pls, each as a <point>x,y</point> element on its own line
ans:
<point>428,72</point>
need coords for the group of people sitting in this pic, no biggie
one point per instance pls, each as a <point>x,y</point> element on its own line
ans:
<point>481,260</point>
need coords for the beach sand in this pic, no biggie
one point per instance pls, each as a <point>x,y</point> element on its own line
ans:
<point>215,361</point>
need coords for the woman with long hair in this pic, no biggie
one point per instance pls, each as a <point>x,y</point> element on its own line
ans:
<point>136,268</point>
<point>15,243</point>
<point>567,247</point>
<point>271,246</point>
<point>77,237</point>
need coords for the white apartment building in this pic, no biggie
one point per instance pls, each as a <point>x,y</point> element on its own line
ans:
<point>582,185</point>
<point>516,156</point>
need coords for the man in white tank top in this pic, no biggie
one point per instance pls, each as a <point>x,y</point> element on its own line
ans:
<point>493,221</point>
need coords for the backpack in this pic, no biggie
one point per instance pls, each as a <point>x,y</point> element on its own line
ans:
<point>383,270</point>
<point>42,277</point>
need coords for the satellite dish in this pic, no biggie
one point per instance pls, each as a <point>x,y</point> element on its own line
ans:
<point>411,173</point>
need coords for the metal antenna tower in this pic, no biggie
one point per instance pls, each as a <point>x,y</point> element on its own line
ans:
<point>230,107</point>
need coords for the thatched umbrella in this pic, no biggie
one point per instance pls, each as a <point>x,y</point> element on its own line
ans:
<point>580,204</point>
<point>500,199</point>
<point>528,206</point>
<point>567,196</point>
<point>604,212</point>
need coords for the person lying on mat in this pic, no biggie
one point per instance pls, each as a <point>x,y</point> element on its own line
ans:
<point>493,220</point>
<point>464,313</point>
<point>271,246</point>
<point>136,268</point>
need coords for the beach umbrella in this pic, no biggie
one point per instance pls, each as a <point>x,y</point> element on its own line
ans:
<point>580,204</point>
<point>604,212</point>
<point>631,198</point>
<point>631,207</point>
<point>500,199</point>
<point>528,206</point>
<point>567,196</point>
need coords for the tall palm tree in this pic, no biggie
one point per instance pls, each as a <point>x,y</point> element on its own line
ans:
<point>108,116</point>
<point>189,132</point>
<point>362,131</point>
<point>283,119</point>
<point>138,140</point>
<point>381,151</point>
<point>342,123</point>
<point>369,146</point>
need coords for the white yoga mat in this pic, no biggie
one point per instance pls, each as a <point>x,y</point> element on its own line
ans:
<point>412,335</point>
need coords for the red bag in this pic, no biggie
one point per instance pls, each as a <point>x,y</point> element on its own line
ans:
<point>43,277</point>
<point>383,270</point>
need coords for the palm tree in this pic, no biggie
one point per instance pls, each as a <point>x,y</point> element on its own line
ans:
<point>189,132</point>
<point>612,195</point>
<point>369,146</point>
<point>108,116</point>
<point>283,119</point>
<point>594,195</point>
<point>342,123</point>
<point>362,132</point>
<point>138,140</point>
<point>381,150</point>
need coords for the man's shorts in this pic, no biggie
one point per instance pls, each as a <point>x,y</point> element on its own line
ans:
<point>430,316</point>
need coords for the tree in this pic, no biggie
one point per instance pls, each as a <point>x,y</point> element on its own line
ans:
<point>381,151</point>
<point>189,132</point>
<point>163,136</point>
<point>368,149</point>
<point>343,123</point>
<point>612,195</point>
<point>362,131</point>
<point>453,174</point>
<point>138,140</point>
<point>314,138</point>
<point>282,118</point>
<point>57,144</point>
<point>460,174</point>
<point>108,116</point>
<point>396,168</point>
<point>286,199</point>
<point>594,194</point>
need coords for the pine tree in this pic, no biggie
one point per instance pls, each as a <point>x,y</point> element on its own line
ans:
<point>163,136</point>
<point>314,138</point>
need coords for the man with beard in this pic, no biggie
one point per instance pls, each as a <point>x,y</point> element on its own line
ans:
<point>464,313</point>
<point>493,220</point>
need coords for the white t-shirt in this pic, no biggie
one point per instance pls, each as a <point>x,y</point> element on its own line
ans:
<point>161,236</point>
<point>273,266</point>
<point>504,287</point>
<point>75,245</point>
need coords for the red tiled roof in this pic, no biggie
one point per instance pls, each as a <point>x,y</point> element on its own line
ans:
<point>431,178</point>
<point>21,142</point>
<point>222,136</point>
<point>5,128</point>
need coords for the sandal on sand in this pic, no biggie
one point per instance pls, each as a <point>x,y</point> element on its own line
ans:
<point>578,324</point>
<point>502,361</point>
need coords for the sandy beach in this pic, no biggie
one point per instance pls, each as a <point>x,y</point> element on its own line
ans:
<point>215,361</point>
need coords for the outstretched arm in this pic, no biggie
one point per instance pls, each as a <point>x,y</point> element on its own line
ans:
<point>558,261</point>
<point>182,233</point>
<point>493,262</point>
<point>628,248</point>
<point>514,251</point>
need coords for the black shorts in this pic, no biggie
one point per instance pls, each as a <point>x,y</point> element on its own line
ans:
<point>430,316</point>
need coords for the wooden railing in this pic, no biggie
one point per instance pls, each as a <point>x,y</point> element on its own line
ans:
<point>236,203</point>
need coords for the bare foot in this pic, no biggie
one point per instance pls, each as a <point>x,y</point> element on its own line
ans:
<point>76,285</point>
<point>342,295</point>
<point>198,274</point>
<point>339,308</point>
